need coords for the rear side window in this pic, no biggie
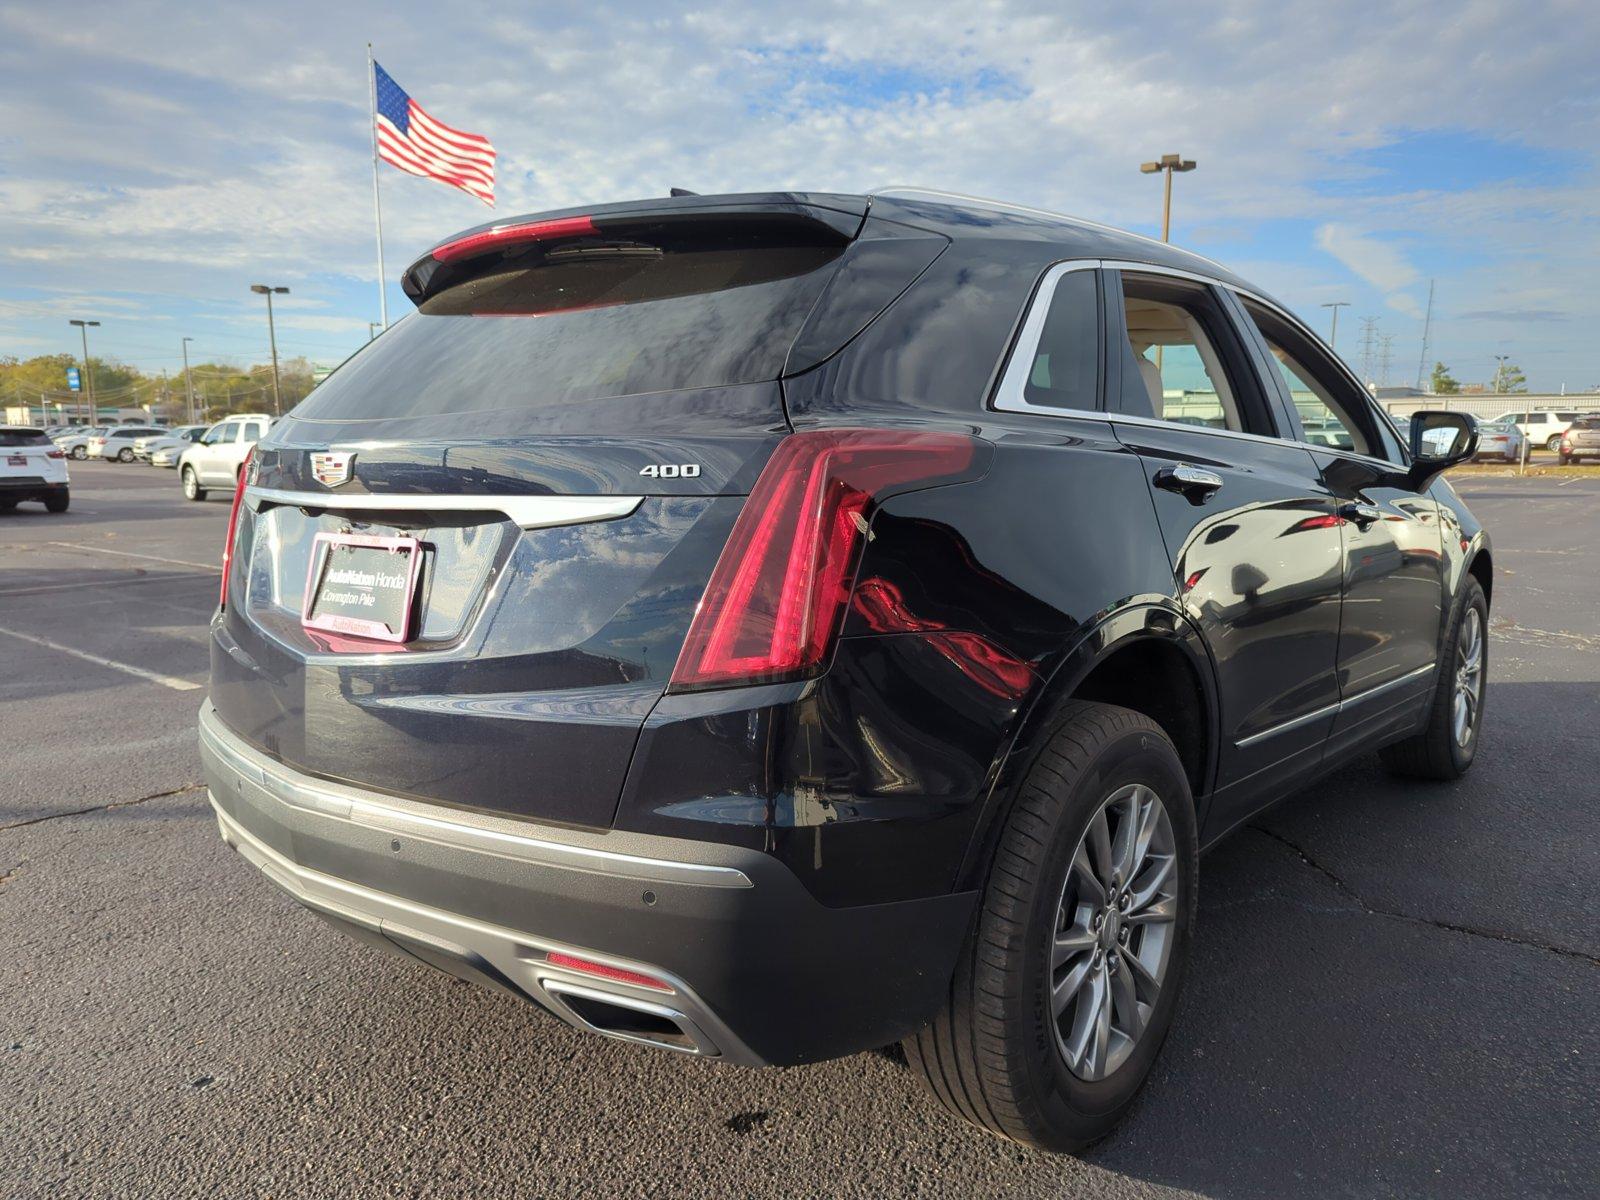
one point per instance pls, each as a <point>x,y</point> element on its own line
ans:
<point>23,437</point>
<point>568,322</point>
<point>1065,372</point>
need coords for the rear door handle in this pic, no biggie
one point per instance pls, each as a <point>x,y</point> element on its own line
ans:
<point>1361,515</point>
<point>1195,484</point>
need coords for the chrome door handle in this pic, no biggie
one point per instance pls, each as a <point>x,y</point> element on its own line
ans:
<point>1361,515</point>
<point>1193,483</point>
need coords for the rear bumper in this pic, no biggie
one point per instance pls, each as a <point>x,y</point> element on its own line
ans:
<point>759,972</point>
<point>31,489</point>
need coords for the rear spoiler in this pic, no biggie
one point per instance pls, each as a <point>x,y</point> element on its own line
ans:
<point>459,257</point>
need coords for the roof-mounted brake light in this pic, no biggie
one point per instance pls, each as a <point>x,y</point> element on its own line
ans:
<point>504,235</point>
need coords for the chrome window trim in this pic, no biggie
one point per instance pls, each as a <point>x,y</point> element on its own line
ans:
<point>530,512</point>
<point>1011,395</point>
<point>1337,707</point>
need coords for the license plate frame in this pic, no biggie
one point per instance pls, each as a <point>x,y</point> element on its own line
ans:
<point>324,552</point>
<point>16,460</point>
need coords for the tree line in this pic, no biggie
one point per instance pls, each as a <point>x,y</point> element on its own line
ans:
<point>219,388</point>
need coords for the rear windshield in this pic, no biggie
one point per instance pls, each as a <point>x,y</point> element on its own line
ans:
<point>1587,423</point>
<point>23,437</point>
<point>590,320</point>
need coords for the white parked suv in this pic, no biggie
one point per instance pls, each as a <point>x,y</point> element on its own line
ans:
<point>32,467</point>
<point>1542,428</point>
<point>118,443</point>
<point>216,459</point>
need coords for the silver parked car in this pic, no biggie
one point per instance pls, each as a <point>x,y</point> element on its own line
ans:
<point>177,440</point>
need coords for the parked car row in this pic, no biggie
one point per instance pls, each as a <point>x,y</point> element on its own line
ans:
<point>205,455</point>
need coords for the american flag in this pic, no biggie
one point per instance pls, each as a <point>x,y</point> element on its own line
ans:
<point>413,141</point>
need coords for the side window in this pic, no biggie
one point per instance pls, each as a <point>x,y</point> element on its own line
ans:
<point>253,431</point>
<point>1183,363</point>
<point>225,434</point>
<point>1333,413</point>
<point>1057,360</point>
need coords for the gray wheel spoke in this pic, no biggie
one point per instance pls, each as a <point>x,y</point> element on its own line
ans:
<point>1125,1002</point>
<point>1136,969</point>
<point>1083,874</point>
<point>1069,942</point>
<point>1150,887</point>
<point>1070,985</point>
<point>1160,912</point>
<point>1100,1040</point>
<point>1098,839</point>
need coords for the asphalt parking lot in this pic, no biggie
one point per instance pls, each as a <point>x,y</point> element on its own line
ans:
<point>1396,988</point>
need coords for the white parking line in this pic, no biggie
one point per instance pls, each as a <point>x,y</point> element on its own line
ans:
<point>182,562</point>
<point>167,681</point>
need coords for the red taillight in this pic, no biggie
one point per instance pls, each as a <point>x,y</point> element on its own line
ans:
<point>775,600</point>
<point>233,526</point>
<point>492,239</point>
<point>602,971</point>
<point>54,454</point>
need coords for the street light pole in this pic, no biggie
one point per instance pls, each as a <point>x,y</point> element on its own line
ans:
<point>188,383</point>
<point>88,375</point>
<point>1333,336</point>
<point>263,290</point>
<point>1167,163</point>
<point>1499,370</point>
<point>372,330</point>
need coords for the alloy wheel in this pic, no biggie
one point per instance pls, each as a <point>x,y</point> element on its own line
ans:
<point>1114,931</point>
<point>1469,677</point>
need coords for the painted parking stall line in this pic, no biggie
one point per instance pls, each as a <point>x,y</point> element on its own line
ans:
<point>166,681</point>
<point>181,562</point>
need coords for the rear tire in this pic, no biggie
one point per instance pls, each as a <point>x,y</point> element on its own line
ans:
<point>191,485</point>
<point>1441,751</point>
<point>58,502</point>
<point>1000,1054</point>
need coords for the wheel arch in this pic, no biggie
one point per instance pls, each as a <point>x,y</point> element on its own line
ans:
<point>1113,662</point>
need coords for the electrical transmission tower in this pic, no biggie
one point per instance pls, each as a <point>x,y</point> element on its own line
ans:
<point>1427,329</point>
<point>1385,357</point>
<point>1369,347</point>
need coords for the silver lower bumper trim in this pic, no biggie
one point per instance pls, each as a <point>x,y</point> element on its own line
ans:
<point>497,955</point>
<point>485,835</point>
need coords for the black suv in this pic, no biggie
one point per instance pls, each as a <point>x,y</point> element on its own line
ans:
<point>775,626</point>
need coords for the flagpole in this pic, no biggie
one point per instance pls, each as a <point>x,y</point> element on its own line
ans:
<point>377,205</point>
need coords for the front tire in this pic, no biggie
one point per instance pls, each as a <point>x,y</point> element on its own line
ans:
<point>191,485</point>
<point>1449,742</point>
<point>1554,443</point>
<point>79,453</point>
<point>125,455</point>
<point>1066,987</point>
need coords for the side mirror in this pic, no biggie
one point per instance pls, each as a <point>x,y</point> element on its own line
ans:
<point>1440,440</point>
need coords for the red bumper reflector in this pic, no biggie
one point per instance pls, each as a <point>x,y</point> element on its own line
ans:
<point>601,971</point>
<point>504,235</point>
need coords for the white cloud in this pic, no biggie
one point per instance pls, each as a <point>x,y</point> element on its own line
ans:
<point>1378,262</point>
<point>236,146</point>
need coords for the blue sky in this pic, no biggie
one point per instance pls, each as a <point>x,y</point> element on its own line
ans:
<point>157,159</point>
